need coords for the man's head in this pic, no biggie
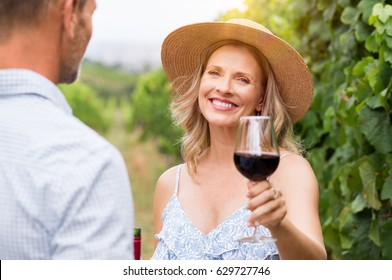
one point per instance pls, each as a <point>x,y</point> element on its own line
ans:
<point>55,32</point>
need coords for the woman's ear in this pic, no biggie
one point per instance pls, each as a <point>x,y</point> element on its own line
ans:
<point>70,17</point>
<point>259,106</point>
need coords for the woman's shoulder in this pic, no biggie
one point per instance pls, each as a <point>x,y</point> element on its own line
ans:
<point>164,190</point>
<point>167,181</point>
<point>169,174</point>
<point>293,165</point>
<point>295,169</point>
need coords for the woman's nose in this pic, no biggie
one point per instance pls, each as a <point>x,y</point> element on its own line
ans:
<point>224,85</point>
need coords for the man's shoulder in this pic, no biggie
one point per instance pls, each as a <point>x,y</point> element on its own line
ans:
<point>83,141</point>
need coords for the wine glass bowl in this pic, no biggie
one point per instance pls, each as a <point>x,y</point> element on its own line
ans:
<point>256,167</point>
<point>256,155</point>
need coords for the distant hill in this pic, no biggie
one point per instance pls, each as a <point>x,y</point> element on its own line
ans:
<point>132,56</point>
<point>108,81</point>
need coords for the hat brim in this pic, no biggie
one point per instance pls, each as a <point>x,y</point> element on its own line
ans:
<point>182,49</point>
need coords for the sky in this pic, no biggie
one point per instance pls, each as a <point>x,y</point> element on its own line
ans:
<point>130,32</point>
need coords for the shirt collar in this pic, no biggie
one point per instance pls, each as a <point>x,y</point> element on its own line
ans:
<point>23,81</point>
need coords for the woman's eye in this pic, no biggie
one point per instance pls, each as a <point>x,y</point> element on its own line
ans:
<point>213,73</point>
<point>243,80</point>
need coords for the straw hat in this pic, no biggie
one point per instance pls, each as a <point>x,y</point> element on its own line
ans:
<point>182,49</point>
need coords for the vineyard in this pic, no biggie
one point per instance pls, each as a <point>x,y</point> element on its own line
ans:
<point>348,47</point>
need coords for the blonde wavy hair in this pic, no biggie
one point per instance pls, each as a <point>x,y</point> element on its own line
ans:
<point>186,114</point>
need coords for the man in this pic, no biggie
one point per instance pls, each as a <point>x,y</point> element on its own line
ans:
<point>64,190</point>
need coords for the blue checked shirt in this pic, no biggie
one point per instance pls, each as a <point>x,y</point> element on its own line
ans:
<point>64,190</point>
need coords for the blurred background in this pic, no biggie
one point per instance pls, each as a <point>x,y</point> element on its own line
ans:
<point>130,33</point>
<point>123,94</point>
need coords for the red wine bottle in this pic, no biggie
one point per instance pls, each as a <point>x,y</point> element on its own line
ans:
<point>137,242</point>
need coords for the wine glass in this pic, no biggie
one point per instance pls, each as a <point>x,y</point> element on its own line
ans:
<point>256,155</point>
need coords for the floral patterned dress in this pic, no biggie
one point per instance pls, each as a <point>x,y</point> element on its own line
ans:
<point>179,239</point>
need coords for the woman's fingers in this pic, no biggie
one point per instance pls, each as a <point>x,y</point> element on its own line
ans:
<point>269,214</point>
<point>266,203</point>
<point>261,193</point>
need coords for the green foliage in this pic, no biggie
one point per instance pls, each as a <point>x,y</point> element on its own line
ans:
<point>357,147</point>
<point>108,82</point>
<point>348,47</point>
<point>87,106</point>
<point>99,92</point>
<point>150,103</point>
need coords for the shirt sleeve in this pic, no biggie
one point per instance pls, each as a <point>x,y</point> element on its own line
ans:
<point>93,209</point>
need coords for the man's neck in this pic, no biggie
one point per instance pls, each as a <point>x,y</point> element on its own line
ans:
<point>30,50</point>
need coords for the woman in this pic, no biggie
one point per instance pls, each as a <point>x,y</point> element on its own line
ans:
<point>221,71</point>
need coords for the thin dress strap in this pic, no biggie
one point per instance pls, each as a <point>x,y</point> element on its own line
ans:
<point>285,154</point>
<point>177,179</point>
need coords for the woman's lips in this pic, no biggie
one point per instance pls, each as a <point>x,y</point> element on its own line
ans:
<point>222,104</point>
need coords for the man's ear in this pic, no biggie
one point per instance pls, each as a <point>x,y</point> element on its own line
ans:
<point>70,17</point>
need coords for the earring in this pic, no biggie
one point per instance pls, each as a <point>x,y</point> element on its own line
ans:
<point>258,113</point>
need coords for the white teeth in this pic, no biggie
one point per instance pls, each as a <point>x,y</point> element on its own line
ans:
<point>222,104</point>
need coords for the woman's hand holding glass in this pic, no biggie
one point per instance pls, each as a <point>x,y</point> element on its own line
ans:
<point>266,203</point>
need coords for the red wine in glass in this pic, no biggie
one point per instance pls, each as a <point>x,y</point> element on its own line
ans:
<point>256,155</point>
<point>256,167</point>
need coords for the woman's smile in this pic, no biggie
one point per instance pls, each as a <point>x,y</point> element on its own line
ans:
<point>222,104</point>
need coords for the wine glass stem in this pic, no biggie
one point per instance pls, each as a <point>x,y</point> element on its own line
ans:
<point>255,235</point>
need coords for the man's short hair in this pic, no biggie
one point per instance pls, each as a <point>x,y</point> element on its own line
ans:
<point>23,13</point>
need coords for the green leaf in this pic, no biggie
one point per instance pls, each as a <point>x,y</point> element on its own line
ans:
<point>379,76</point>
<point>359,203</point>
<point>374,233</point>
<point>371,44</point>
<point>368,176</point>
<point>388,27</point>
<point>374,102</point>
<point>362,94</point>
<point>329,118</point>
<point>372,75</point>
<point>386,192</point>
<point>315,26</point>
<point>346,220</point>
<point>375,125</point>
<point>383,13</point>
<point>383,97</point>
<point>329,11</point>
<point>366,6</point>
<point>386,240</point>
<point>388,56</point>
<point>360,228</point>
<point>350,15</point>
<point>359,69</point>
<point>344,3</point>
<point>343,175</point>
<point>347,41</point>
<point>377,9</point>
<point>374,16</point>
<point>381,29</point>
<point>362,32</point>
